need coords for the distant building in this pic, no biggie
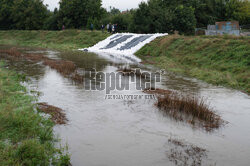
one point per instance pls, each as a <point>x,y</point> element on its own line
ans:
<point>124,12</point>
<point>224,27</point>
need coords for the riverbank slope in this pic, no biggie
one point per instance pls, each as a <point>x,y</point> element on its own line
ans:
<point>61,40</point>
<point>26,137</point>
<point>219,60</point>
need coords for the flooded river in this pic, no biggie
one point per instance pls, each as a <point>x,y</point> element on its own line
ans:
<point>103,132</point>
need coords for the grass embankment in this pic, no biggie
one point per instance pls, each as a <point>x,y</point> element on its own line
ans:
<point>26,137</point>
<point>220,60</point>
<point>62,40</point>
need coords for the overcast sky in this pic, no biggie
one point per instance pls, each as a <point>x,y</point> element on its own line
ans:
<point>120,4</point>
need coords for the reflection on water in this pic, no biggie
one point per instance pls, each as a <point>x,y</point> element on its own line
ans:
<point>120,132</point>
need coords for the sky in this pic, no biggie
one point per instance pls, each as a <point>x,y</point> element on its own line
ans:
<point>120,4</point>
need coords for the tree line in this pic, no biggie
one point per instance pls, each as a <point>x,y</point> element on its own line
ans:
<point>151,17</point>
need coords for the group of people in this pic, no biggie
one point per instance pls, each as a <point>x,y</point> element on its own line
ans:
<point>111,28</point>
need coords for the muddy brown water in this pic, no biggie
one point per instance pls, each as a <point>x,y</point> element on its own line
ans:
<point>133,132</point>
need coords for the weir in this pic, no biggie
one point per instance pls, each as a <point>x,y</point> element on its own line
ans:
<point>123,45</point>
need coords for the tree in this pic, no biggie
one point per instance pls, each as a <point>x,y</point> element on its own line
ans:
<point>6,21</point>
<point>204,12</point>
<point>114,11</point>
<point>123,21</point>
<point>76,13</point>
<point>184,20</point>
<point>238,10</point>
<point>159,16</point>
<point>51,22</point>
<point>141,19</point>
<point>244,13</point>
<point>28,14</point>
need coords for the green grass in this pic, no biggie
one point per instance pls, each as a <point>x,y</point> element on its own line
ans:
<point>220,60</point>
<point>26,137</point>
<point>62,40</point>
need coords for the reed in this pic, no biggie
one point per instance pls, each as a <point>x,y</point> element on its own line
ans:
<point>191,108</point>
<point>12,51</point>
<point>63,67</point>
<point>186,108</point>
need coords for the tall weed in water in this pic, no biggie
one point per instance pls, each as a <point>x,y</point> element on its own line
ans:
<point>190,109</point>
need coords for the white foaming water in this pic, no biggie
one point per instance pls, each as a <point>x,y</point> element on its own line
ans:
<point>123,45</point>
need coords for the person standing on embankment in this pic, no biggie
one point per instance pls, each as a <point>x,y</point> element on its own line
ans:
<point>102,28</point>
<point>91,27</point>
<point>107,27</point>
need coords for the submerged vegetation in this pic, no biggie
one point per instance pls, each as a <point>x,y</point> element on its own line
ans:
<point>157,91</point>
<point>220,60</point>
<point>66,68</point>
<point>57,114</point>
<point>26,137</point>
<point>185,154</point>
<point>187,108</point>
<point>63,40</point>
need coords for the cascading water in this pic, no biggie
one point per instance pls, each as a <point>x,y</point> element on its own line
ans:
<point>123,45</point>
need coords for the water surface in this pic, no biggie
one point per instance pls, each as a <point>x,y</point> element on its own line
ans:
<point>133,132</point>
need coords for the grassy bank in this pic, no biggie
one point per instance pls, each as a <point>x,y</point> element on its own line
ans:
<point>63,40</point>
<point>26,137</point>
<point>218,60</point>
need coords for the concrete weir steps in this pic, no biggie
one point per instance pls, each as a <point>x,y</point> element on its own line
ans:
<point>123,44</point>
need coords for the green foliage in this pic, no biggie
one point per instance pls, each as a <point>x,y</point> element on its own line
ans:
<point>210,11</point>
<point>76,13</point>
<point>122,19</point>
<point>218,60</point>
<point>141,20</point>
<point>184,16</point>
<point>26,137</point>
<point>51,22</point>
<point>184,20</point>
<point>5,14</point>
<point>28,14</point>
<point>95,23</point>
<point>163,16</point>
<point>238,10</point>
<point>152,16</point>
<point>22,14</point>
<point>114,11</point>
